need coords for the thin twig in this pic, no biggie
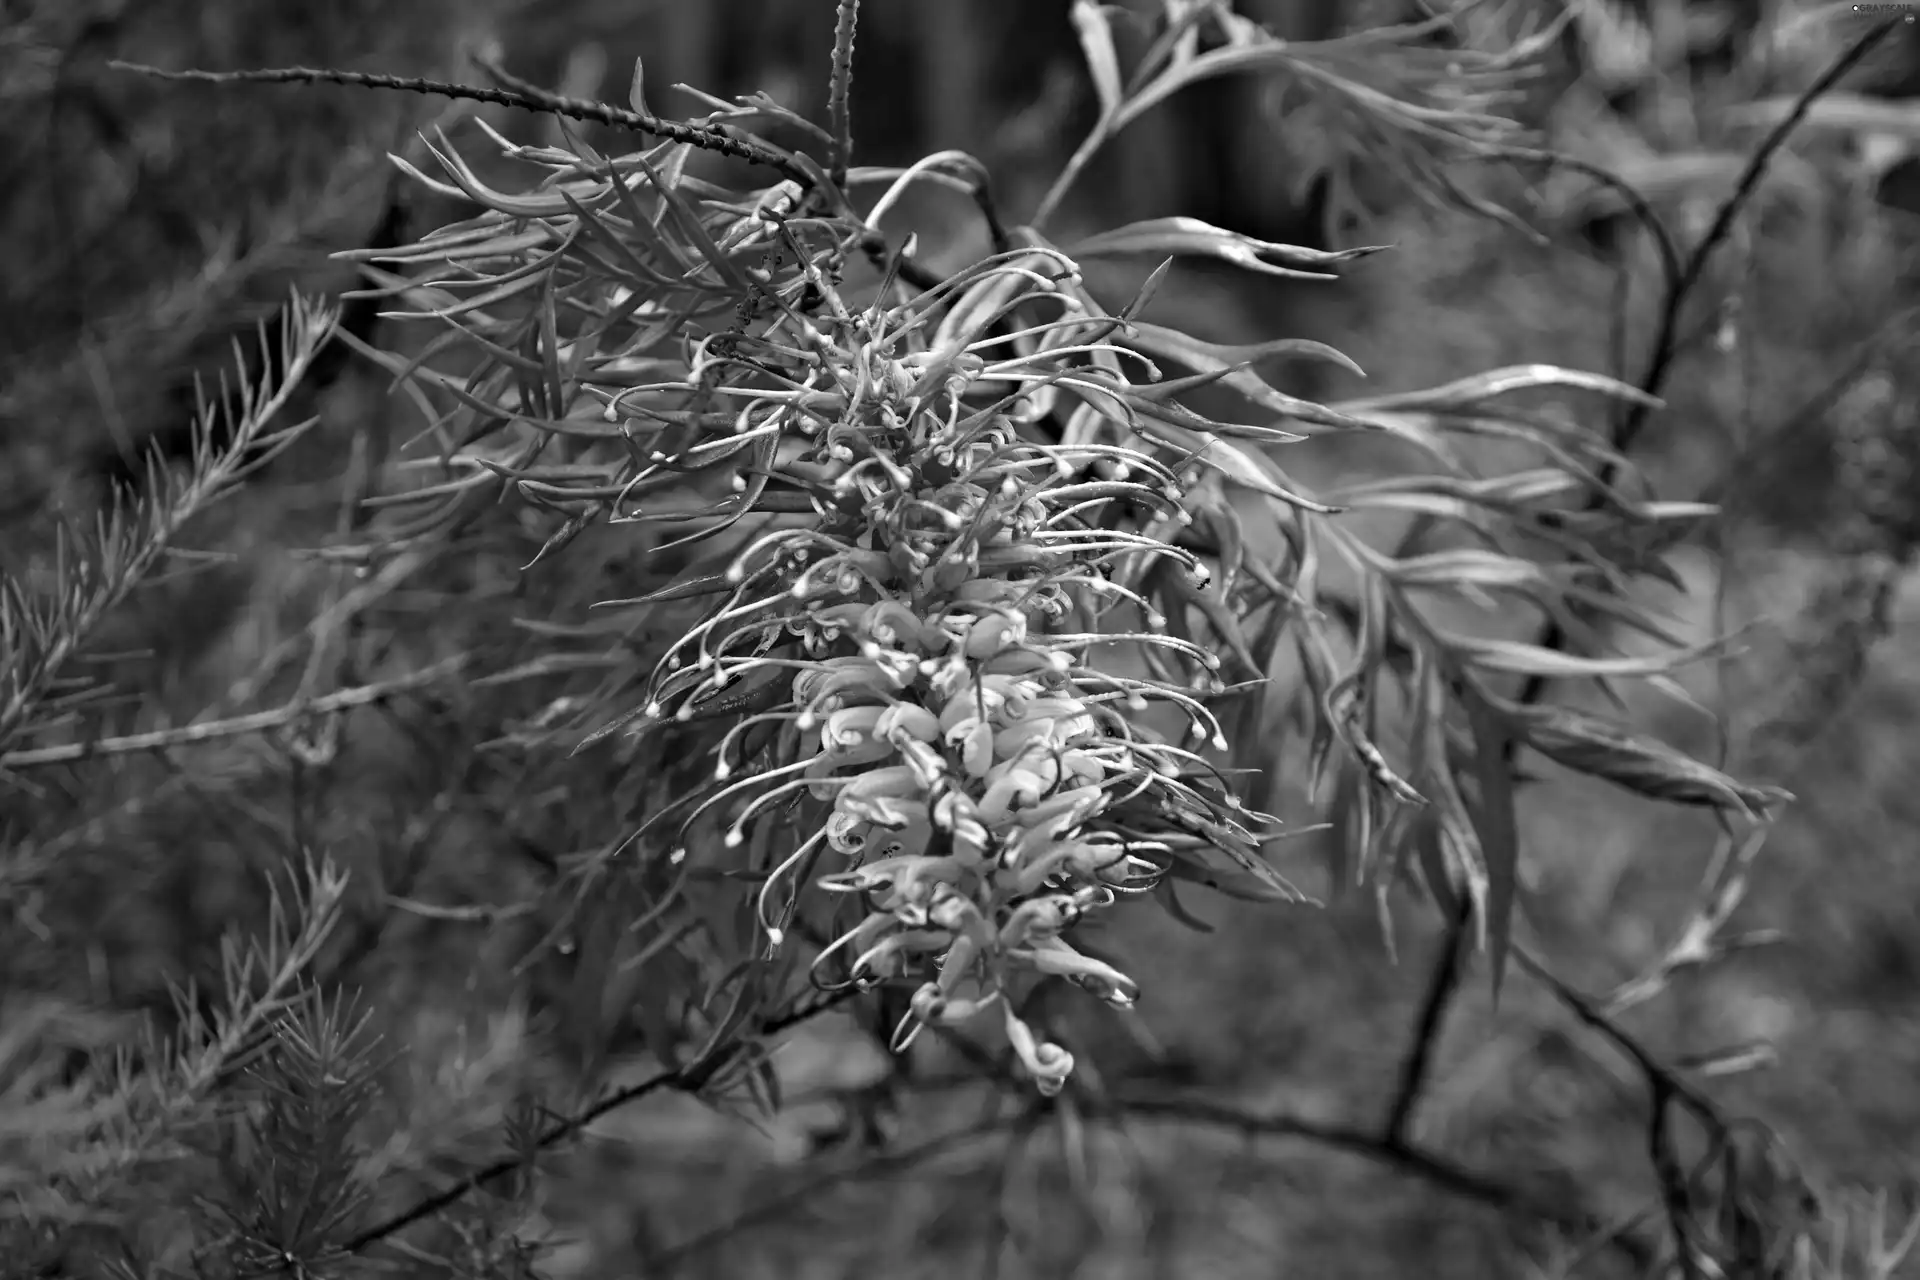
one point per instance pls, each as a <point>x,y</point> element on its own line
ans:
<point>687,1078</point>
<point>886,1164</point>
<point>1665,343</point>
<point>839,91</point>
<point>133,536</point>
<point>484,913</point>
<point>1415,1069</point>
<point>187,735</point>
<point>1666,1090</point>
<point>1402,1157</point>
<point>1671,268</point>
<point>999,1225</point>
<point>519,94</point>
<point>1725,487</point>
<point>1699,942</point>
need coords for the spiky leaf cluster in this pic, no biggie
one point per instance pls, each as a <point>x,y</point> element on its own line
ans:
<point>948,541</point>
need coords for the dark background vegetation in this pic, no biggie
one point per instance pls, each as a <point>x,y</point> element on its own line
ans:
<point>147,224</point>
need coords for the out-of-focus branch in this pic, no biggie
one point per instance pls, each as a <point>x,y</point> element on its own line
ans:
<point>187,735</point>
<point>517,93</point>
<point>689,1078</point>
<point>839,91</point>
<point>1127,1107</point>
<point>885,1164</point>
<point>1416,1068</point>
<point>1405,1158</point>
<point>1666,342</point>
<point>1741,1241</point>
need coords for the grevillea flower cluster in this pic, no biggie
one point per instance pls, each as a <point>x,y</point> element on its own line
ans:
<point>927,664</point>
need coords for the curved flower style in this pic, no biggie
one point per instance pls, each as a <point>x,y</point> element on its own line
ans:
<point>920,648</point>
<point>984,783</point>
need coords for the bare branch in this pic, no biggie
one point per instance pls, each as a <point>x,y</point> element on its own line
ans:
<point>259,721</point>
<point>1449,968</point>
<point>686,1079</point>
<point>1410,1160</point>
<point>518,93</point>
<point>1741,1241</point>
<point>885,1164</point>
<point>846,19</point>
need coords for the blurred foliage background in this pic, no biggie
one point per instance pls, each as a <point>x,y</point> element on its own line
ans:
<point>148,224</point>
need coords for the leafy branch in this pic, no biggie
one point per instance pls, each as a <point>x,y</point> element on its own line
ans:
<point>41,632</point>
<point>908,516</point>
<point>1666,340</point>
<point>1682,278</point>
<point>1411,107</point>
<point>1744,1241</point>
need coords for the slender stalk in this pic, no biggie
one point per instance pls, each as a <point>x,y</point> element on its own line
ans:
<point>840,116</point>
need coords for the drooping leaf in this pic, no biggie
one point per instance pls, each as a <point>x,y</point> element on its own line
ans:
<point>1210,357</point>
<point>1475,390</point>
<point>1536,660</point>
<point>1239,467</point>
<point>1608,749</point>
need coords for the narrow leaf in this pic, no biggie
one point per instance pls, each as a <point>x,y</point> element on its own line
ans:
<point>1236,465</point>
<point>1470,392</point>
<point>1190,236</point>
<point>1607,749</point>
<point>1843,112</point>
<point>1423,833</point>
<point>1096,42</point>
<point>1533,659</point>
<point>1209,357</point>
<point>637,88</point>
<point>1148,288</point>
<point>1499,836</point>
